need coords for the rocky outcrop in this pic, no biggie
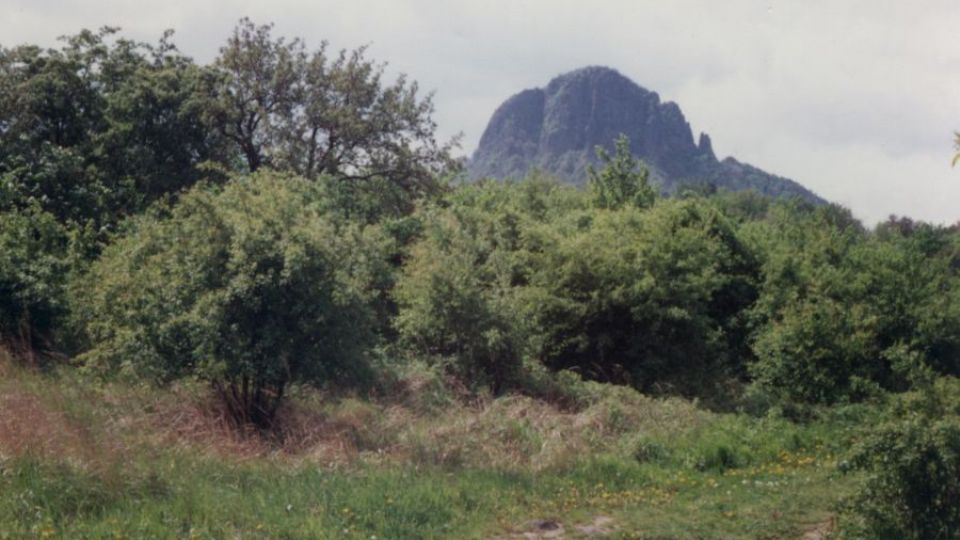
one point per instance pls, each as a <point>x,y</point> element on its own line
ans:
<point>557,128</point>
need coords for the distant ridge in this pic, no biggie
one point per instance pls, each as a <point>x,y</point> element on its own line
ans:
<point>556,129</point>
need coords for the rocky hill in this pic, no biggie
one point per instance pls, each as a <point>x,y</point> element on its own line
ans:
<point>557,128</point>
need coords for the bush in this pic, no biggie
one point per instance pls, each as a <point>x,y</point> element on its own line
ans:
<point>453,304</point>
<point>250,288</point>
<point>911,458</point>
<point>650,297</point>
<point>34,262</point>
<point>815,353</point>
<point>459,292</point>
<point>913,485</point>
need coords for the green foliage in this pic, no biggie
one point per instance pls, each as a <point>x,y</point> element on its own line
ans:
<point>528,270</point>
<point>102,127</point>
<point>155,139</point>
<point>317,115</point>
<point>742,206</point>
<point>651,297</point>
<point>842,314</point>
<point>623,180</point>
<point>251,288</point>
<point>816,352</point>
<point>98,129</point>
<point>684,294</point>
<point>34,262</point>
<point>452,295</point>
<point>912,489</point>
<point>459,287</point>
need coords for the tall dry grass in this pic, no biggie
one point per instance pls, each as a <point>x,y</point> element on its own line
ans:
<point>423,423</point>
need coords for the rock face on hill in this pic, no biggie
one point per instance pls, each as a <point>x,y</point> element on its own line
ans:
<point>557,128</point>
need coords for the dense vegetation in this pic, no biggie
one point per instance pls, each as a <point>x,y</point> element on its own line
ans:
<point>283,220</point>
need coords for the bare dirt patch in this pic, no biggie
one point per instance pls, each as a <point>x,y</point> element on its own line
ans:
<point>552,529</point>
<point>820,531</point>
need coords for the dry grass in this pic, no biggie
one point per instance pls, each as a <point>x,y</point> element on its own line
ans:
<point>522,433</point>
<point>29,426</point>
<point>101,422</point>
<point>36,420</point>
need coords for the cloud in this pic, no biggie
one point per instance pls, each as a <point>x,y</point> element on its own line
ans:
<point>855,99</point>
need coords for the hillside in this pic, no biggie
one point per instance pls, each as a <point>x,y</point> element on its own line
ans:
<point>556,129</point>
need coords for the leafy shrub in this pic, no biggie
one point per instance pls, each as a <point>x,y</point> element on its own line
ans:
<point>458,292</point>
<point>814,353</point>
<point>912,465</point>
<point>34,261</point>
<point>508,272</point>
<point>250,288</point>
<point>913,485</point>
<point>452,302</point>
<point>647,297</point>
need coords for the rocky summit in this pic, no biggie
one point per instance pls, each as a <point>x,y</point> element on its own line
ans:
<point>556,129</point>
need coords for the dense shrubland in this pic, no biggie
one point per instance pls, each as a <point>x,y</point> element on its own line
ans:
<point>281,219</point>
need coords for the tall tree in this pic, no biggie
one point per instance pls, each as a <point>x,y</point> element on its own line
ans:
<point>256,82</point>
<point>315,115</point>
<point>156,141</point>
<point>100,127</point>
<point>49,110</point>
<point>623,180</point>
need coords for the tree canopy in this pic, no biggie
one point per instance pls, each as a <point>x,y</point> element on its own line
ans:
<point>623,179</point>
<point>99,128</point>
<point>103,126</point>
<point>312,113</point>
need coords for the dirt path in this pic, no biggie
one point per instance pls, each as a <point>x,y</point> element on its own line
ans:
<point>548,529</point>
<point>820,531</point>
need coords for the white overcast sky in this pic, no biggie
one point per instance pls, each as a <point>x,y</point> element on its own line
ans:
<point>855,99</point>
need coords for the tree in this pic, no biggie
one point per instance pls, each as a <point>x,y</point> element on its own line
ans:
<point>156,142</point>
<point>311,114</point>
<point>623,179</point>
<point>99,128</point>
<point>49,112</point>
<point>254,85</point>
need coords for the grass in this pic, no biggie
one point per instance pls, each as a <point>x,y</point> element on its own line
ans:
<point>86,459</point>
<point>180,497</point>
